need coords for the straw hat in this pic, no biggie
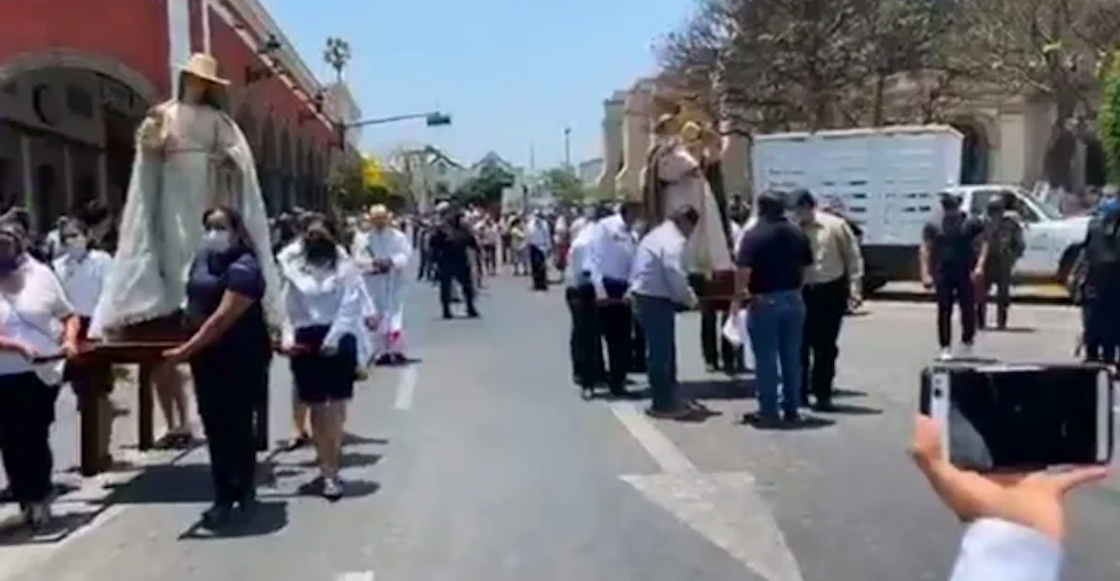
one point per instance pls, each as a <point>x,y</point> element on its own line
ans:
<point>205,67</point>
<point>378,212</point>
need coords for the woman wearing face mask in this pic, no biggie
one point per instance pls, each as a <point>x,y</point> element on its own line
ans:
<point>323,292</point>
<point>82,270</point>
<point>229,353</point>
<point>32,303</point>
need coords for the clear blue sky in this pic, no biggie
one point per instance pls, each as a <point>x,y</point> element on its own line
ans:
<point>510,72</point>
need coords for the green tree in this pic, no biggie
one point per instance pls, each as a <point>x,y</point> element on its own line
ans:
<point>485,188</point>
<point>1108,118</point>
<point>564,185</point>
<point>347,189</point>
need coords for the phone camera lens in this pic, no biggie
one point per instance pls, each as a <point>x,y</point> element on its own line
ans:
<point>938,392</point>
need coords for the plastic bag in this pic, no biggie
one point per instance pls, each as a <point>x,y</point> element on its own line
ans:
<point>734,327</point>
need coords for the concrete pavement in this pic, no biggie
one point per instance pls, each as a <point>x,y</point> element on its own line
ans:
<point>481,462</point>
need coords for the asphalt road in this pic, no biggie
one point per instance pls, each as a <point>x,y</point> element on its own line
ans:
<point>480,462</point>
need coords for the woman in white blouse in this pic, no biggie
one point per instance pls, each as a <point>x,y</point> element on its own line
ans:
<point>323,293</point>
<point>32,304</point>
<point>82,271</point>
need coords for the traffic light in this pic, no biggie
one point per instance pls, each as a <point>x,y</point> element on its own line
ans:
<point>437,119</point>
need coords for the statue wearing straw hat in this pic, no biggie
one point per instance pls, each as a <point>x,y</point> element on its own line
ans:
<point>190,156</point>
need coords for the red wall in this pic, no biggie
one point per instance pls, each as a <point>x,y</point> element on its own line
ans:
<point>131,32</point>
<point>270,97</point>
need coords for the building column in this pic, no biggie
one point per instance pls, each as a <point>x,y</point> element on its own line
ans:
<point>178,38</point>
<point>28,180</point>
<point>68,178</point>
<point>103,179</point>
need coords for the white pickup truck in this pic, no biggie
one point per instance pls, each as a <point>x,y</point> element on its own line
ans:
<point>888,182</point>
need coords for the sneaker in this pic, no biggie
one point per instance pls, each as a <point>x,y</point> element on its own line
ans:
<point>946,354</point>
<point>965,351</point>
<point>332,488</point>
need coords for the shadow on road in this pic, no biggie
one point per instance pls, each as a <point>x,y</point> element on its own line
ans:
<point>271,517</point>
<point>56,530</point>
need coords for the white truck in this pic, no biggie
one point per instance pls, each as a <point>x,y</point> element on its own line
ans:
<point>888,182</point>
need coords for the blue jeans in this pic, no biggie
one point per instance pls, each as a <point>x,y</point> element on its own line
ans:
<point>775,323</point>
<point>658,317</point>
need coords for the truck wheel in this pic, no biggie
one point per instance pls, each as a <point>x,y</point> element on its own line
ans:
<point>1065,266</point>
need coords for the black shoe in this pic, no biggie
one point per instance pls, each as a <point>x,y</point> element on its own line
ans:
<point>247,506</point>
<point>384,360</point>
<point>473,314</point>
<point>825,406</point>
<point>791,417</point>
<point>763,421</point>
<point>447,316</point>
<point>217,516</point>
<point>398,359</point>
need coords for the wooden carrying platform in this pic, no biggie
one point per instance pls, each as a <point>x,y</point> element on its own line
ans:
<point>147,355</point>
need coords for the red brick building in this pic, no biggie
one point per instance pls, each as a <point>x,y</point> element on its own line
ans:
<point>76,76</point>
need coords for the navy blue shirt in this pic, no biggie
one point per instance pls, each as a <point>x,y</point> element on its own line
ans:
<point>238,271</point>
<point>954,242</point>
<point>777,253</point>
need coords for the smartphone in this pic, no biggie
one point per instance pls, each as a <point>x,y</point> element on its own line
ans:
<point>1021,417</point>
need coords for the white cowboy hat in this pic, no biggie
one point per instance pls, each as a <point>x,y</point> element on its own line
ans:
<point>205,67</point>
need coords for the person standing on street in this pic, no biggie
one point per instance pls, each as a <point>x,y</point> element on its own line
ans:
<point>82,271</point>
<point>452,244</point>
<point>230,354</point>
<point>323,294</point>
<point>1004,235</point>
<point>1095,282</point>
<point>382,254</point>
<point>609,260</point>
<point>833,286</point>
<point>33,310</point>
<point>539,239</point>
<point>773,258</point>
<point>659,287</point>
<point>951,257</point>
<point>585,343</point>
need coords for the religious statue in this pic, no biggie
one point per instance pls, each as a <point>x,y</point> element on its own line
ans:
<point>190,156</point>
<point>677,173</point>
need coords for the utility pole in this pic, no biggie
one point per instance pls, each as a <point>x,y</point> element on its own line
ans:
<point>568,147</point>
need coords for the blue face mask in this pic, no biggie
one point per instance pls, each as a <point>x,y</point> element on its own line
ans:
<point>1108,206</point>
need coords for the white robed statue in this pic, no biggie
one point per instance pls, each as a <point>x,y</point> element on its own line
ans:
<point>190,155</point>
<point>383,253</point>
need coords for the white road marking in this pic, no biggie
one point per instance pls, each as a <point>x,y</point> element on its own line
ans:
<point>405,388</point>
<point>18,560</point>
<point>355,576</point>
<point>657,445</point>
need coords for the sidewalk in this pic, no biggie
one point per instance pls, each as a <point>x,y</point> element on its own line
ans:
<point>1049,294</point>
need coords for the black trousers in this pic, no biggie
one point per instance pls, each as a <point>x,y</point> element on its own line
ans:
<point>26,415</point>
<point>718,352</point>
<point>997,272</point>
<point>639,349</point>
<point>227,392</point>
<point>585,343</point>
<point>450,274</point>
<point>507,248</point>
<point>538,266</point>
<point>617,322</point>
<point>825,307</point>
<point>955,288</point>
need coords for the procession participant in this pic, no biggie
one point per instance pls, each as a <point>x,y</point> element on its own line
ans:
<point>584,344</point>
<point>229,353</point>
<point>833,287</point>
<point>518,246</point>
<point>772,259</point>
<point>33,305</point>
<point>952,256</point>
<point>382,254</point>
<point>489,237</point>
<point>609,258</point>
<point>540,242</point>
<point>82,271</point>
<point>1004,235</point>
<point>659,287</point>
<point>452,244</point>
<point>323,297</point>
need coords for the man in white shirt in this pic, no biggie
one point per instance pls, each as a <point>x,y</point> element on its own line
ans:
<point>585,343</point>
<point>608,262</point>
<point>540,243</point>
<point>659,287</point>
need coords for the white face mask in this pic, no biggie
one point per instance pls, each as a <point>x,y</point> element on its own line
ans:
<point>216,240</point>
